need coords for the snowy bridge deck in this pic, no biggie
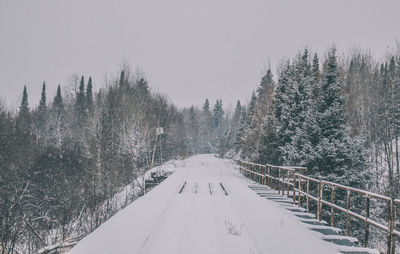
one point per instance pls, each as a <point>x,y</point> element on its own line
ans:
<point>207,206</point>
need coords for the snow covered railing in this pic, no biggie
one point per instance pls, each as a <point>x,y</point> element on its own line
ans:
<point>294,182</point>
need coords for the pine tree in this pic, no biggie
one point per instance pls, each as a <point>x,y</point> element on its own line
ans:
<point>238,113</point>
<point>218,114</point>
<point>298,108</point>
<point>282,105</point>
<point>142,87</point>
<point>205,128</point>
<point>41,119</point>
<point>266,81</point>
<point>24,107</point>
<point>206,106</point>
<point>58,104</point>
<point>316,77</point>
<point>251,108</point>
<point>268,150</point>
<point>24,138</point>
<point>122,81</point>
<point>42,109</point>
<point>57,124</point>
<point>89,97</point>
<point>80,106</point>
<point>337,156</point>
<point>237,126</point>
<point>193,131</point>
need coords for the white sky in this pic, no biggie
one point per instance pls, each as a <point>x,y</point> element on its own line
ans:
<point>189,49</point>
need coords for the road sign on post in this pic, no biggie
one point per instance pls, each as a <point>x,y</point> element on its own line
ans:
<point>159,131</point>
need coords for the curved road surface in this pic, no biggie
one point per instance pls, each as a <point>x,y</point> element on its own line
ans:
<point>203,219</point>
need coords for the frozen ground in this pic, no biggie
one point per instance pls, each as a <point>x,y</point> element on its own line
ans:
<point>203,219</point>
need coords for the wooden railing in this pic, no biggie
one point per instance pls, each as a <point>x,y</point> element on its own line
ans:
<point>293,182</point>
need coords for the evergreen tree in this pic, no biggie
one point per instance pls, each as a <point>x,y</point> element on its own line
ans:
<point>238,113</point>
<point>58,104</point>
<point>205,128</point>
<point>282,104</point>
<point>24,107</point>
<point>89,97</point>
<point>57,123</point>
<point>316,77</point>
<point>268,150</point>
<point>122,81</point>
<point>218,114</point>
<point>42,109</point>
<point>206,106</point>
<point>142,87</point>
<point>266,81</point>
<point>193,131</point>
<point>251,108</point>
<point>41,118</point>
<point>24,138</point>
<point>80,103</point>
<point>336,156</point>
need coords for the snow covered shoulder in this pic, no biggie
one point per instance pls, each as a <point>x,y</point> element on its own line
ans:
<point>205,206</point>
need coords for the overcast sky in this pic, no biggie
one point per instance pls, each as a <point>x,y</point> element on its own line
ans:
<point>189,50</point>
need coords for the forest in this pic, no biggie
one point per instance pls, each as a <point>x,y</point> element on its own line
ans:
<point>62,161</point>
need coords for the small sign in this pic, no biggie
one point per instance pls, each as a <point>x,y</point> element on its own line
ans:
<point>159,131</point>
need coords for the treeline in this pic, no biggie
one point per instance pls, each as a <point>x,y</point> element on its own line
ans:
<point>338,117</point>
<point>61,162</point>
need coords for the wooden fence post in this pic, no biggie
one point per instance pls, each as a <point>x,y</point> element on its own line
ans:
<point>393,245</point>
<point>279,180</point>
<point>265,174</point>
<point>288,185</point>
<point>319,205</point>
<point>294,188</point>
<point>389,235</point>
<point>366,222</point>
<point>299,194</point>
<point>308,193</point>
<point>347,213</point>
<point>332,209</point>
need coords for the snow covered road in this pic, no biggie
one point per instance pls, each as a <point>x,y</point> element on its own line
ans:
<point>203,219</point>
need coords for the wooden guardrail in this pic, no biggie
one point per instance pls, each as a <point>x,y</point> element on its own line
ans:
<point>292,181</point>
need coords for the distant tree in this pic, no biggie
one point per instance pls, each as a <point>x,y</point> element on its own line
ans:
<point>266,81</point>
<point>89,97</point>
<point>23,115</point>
<point>193,131</point>
<point>57,122</point>
<point>58,104</point>
<point>122,80</point>
<point>80,106</point>
<point>218,114</point>
<point>42,109</point>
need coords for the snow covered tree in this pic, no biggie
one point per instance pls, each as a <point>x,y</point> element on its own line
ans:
<point>193,131</point>
<point>335,155</point>
<point>57,121</point>
<point>42,109</point>
<point>89,97</point>
<point>80,106</point>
